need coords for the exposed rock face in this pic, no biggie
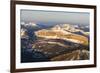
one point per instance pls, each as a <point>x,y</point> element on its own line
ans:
<point>24,33</point>
<point>62,34</point>
<point>74,55</point>
<point>55,47</point>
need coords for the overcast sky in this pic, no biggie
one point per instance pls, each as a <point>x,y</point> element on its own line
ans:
<point>51,17</point>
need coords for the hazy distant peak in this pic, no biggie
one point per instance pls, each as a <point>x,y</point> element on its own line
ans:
<point>29,24</point>
<point>67,27</point>
<point>32,24</point>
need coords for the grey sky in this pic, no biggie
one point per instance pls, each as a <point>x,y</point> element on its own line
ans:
<point>51,17</point>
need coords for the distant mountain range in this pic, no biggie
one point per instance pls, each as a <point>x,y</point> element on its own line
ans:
<point>55,43</point>
<point>72,28</point>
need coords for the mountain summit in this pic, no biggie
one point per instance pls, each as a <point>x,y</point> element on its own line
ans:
<point>66,27</point>
<point>62,32</point>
